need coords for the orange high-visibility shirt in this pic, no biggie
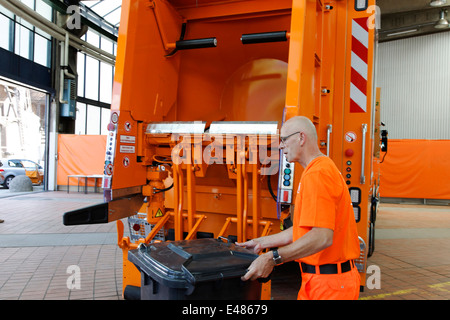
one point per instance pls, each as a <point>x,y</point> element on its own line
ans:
<point>323,201</point>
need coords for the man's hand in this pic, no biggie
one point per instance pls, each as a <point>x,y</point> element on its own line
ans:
<point>251,245</point>
<point>261,267</point>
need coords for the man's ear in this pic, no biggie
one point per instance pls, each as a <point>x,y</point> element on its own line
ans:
<point>302,138</point>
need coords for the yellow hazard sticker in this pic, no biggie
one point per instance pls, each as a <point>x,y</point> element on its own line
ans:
<point>158,213</point>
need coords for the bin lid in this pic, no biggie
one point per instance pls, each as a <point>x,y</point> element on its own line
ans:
<point>181,264</point>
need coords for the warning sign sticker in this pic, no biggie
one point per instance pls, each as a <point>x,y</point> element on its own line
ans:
<point>127,126</point>
<point>114,117</point>
<point>126,162</point>
<point>109,169</point>
<point>350,137</point>
<point>158,213</point>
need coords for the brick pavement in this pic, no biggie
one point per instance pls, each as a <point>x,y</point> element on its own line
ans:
<point>411,251</point>
<point>41,271</point>
<point>36,250</point>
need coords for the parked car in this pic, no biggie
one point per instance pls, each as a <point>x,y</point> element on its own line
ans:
<point>9,168</point>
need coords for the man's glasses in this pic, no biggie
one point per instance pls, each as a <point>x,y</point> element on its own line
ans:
<point>283,139</point>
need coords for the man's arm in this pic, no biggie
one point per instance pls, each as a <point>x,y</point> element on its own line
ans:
<point>280,239</point>
<point>316,240</point>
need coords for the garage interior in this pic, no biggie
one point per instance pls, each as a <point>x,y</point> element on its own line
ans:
<point>51,119</point>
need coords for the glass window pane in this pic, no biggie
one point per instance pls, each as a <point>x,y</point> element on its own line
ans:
<point>42,50</point>
<point>80,122</point>
<point>80,71</point>
<point>114,17</point>
<point>106,45</point>
<point>22,136</point>
<point>91,3</point>
<point>106,115</point>
<point>23,41</point>
<point>93,120</point>
<point>29,3</point>
<point>106,77</point>
<point>91,78</point>
<point>93,38</point>
<point>6,25</point>
<point>43,34</point>
<point>104,7</point>
<point>24,23</point>
<point>6,12</point>
<point>44,10</point>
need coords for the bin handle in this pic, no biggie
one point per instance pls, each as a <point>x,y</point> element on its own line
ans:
<point>223,239</point>
<point>193,279</point>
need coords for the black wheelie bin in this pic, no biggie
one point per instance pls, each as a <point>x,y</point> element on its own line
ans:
<point>199,269</point>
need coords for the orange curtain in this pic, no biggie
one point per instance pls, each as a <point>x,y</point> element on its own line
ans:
<point>80,154</point>
<point>416,169</point>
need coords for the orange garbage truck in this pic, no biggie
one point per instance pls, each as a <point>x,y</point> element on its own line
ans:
<point>201,89</point>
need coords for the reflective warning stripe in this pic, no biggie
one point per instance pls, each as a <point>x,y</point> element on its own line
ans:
<point>359,59</point>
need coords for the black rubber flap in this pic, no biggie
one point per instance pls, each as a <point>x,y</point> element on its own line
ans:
<point>89,215</point>
<point>184,263</point>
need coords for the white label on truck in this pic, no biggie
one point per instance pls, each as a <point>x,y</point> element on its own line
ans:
<point>127,149</point>
<point>127,139</point>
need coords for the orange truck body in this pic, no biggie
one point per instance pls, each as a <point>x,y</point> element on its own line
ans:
<point>201,89</point>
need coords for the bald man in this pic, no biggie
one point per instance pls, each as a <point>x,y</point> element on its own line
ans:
<point>323,238</point>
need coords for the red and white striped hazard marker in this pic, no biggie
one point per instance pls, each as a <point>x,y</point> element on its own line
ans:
<point>359,59</point>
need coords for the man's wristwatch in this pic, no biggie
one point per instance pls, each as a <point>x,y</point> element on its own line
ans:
<point>276,257</point>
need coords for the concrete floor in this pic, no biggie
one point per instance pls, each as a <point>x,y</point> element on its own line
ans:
<point>37,252</point>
